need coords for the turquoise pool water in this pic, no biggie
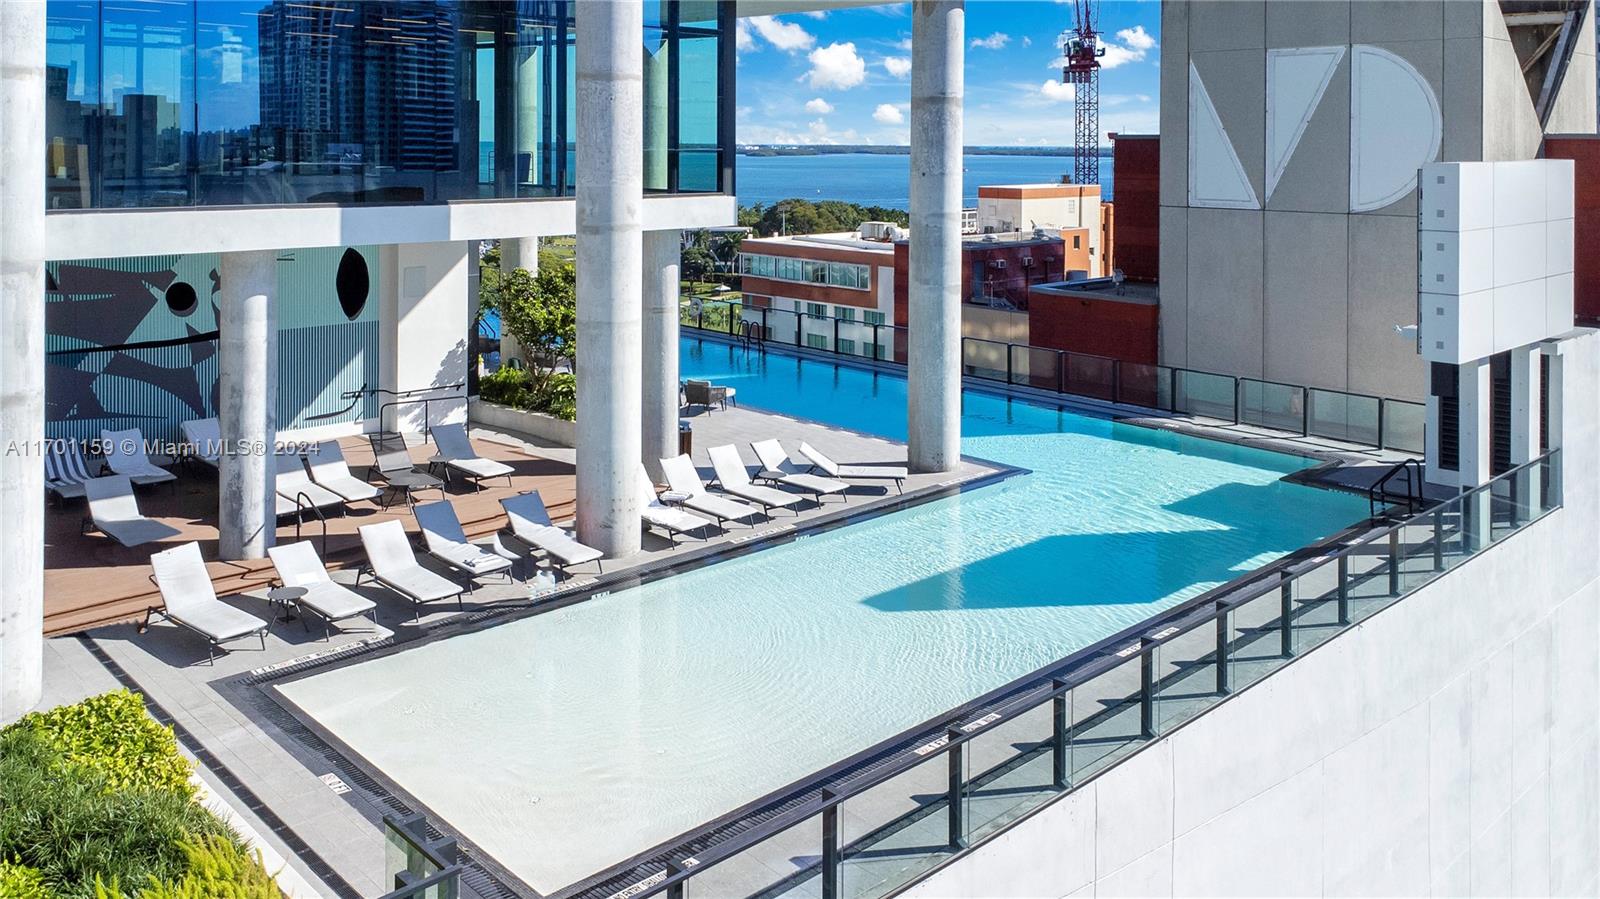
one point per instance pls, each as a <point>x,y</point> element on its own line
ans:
<point>568,741</point>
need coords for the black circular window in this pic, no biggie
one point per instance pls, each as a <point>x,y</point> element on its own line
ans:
<point>181,298</point>
<point>352,283</point>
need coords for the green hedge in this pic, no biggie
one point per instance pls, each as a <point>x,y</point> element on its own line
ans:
<point>95,798</point>
<point>512,387</point>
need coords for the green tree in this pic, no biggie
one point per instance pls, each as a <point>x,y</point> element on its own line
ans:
<point>541,313</point>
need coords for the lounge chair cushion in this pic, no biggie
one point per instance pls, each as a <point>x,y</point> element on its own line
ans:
<point>455,451</point>
<point>335,602</point>
<point>419,584</point>
<point>299,566</point>
<point>857,472</point>
<point>329,470</point>
<point>204,437</point>
<point>479,468</point>
<point>446,541</point>
<point>115,512</point>
<point>190,599</point>
<point>735,479</point>
<point>125,455</point>
<point>658,515</point>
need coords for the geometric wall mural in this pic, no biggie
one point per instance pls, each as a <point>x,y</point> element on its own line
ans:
<point>132,342</point>
<point>1395,127</point>
<point>1296,81</point>
<point>1216,177</point>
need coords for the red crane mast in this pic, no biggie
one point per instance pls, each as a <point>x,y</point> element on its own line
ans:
<point>1081,51</point>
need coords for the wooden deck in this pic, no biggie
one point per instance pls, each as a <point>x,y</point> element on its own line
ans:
<point>91,580</point>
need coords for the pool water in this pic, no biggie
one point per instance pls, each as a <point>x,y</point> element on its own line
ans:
<point>566,742</point>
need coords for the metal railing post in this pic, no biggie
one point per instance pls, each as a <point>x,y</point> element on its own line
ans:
<point>1061,372</point>
<point>676,891</point>
<point>836,333</point>
<point>765,331</point>
<point>1237,387</point>
<point>729,310</point>
<point>1383,406</point>
<point>1344,589</point>
<point>1147,690</point>
<point>799,328</point>
<point>958,826</point>
<point>1305,412</point>
<point>1172,389</point>
<point>1438,539</point>
<point>1058,743</point>
<point>830,847</point>
<point>1286,612</point>
<point>1116,380</point>
<point>1224,625</point>
<point>1009,348</point>
<point>1394,562</point>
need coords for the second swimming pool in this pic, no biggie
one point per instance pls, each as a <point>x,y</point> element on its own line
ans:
<point>565,742</point>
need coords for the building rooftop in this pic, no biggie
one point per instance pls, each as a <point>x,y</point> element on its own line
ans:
<point>1140,292</point>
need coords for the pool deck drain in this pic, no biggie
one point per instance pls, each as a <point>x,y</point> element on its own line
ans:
<point>280,773</point>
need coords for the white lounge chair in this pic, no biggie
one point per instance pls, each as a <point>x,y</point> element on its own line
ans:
<point>530,523</point>
<point>456,454</point>
<point>188,599</point>
<point>329,470</point>
<point>734,478</point>
<point>391,460</point>
<point>832,469</point>
<point>295,485</point>
<point>673,520</point>
<point>65,470</point>
<point>391,563</point>
<point>125,455</point>
<point>447,542</point>
<point>203,440</point>
<point>114,511</point>
<point>777,468</point>
<point>685,487</point>
<point>297,565</point>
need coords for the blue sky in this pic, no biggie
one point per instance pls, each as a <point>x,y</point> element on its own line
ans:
<point>843,76</point>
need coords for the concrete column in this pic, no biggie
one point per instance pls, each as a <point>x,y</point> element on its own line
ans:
<point>515,253</point>
<point>609,199</point>
<point>662,258</point>
<point>1473,395</point>
<point>656,63</point>
<point>933,350</point>
<point>22,249</point>
<point>247,376</point>
<point>1524,404</point>
<point>528,131</point>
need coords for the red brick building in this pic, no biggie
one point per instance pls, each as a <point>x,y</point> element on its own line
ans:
<point>1584,151</point>
<point>1117,322</point>
<point>1136,175</point>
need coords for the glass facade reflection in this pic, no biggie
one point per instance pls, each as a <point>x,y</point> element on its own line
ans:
<point>228,102</point>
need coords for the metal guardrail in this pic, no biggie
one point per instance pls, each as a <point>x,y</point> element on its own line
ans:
<point>921,798</point>
<point>418,866</point>
<point>410,397</point>
<point>1357,418</point>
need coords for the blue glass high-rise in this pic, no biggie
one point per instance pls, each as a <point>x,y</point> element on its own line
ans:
<point>244,102</point>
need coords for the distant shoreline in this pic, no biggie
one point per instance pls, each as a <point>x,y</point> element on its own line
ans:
<point>884,150</point>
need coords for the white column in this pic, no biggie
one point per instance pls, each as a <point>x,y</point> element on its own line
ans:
<point>515,253</point>
<point>247,389</point>
<point>660,388</point>
<point>609,196</point>
<point>655,62</point>
<point>933,351</point>
<point>529,81</point>
<point>1473,395</point>
<point>1524,404</point>
<point>22,174</point>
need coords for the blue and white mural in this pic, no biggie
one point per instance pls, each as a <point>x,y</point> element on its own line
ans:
<point>133,342</point>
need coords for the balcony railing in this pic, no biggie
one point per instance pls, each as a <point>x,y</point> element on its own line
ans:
<point>1356,418</point>
<point>417,865</point>
<point>887,817</point>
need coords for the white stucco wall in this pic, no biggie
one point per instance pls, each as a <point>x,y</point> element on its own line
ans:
<point>1448,745</point>
<point>423,339</point>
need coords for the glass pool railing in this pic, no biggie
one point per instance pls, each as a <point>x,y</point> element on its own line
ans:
<point>885,818</point>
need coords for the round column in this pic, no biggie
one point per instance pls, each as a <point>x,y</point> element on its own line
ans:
<point>662,258</point>
<point>247,375</point>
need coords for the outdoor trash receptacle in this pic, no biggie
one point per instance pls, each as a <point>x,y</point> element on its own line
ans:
<point>685,436</point>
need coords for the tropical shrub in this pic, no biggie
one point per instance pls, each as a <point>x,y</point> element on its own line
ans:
<point>95,797</point>
<point>111,735</point>
<point>20,882</point>
<point>556,394</point>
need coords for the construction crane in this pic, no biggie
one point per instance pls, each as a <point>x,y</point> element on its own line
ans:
<point>1081,52</point>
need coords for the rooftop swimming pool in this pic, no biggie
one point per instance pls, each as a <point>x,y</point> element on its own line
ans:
<point>565,742</point>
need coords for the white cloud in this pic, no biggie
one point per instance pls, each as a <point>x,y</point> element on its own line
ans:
<point>898,66</point>
<point>1136,38</point>
<point>887,114</point>
<point>903,44</point>
<point>836,67</point>
<point>817,14</point>
<point>786,36</point>
<point>1027,41</point>
<point>744,40</point>
<point>1057,92</point>
<point>819,106</point>
<point>1117,55</point>
<point>992,42</point>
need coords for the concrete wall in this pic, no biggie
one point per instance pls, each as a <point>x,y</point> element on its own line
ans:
<point>1448,745</point>
<point>423,337</point>
<point>1289,284</point>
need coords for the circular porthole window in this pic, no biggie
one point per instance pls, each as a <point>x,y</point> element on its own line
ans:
<point>352,282</point>
<point>181,298</point>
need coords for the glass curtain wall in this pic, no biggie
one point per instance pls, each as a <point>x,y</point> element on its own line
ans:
<point>237,102</point>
